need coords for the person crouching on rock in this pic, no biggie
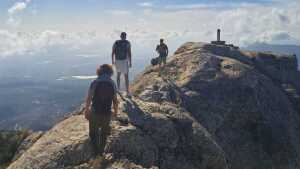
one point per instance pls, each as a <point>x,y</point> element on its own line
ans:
<point>102,94</point>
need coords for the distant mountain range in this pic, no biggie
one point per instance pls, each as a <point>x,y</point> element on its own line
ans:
<point>281,49</point>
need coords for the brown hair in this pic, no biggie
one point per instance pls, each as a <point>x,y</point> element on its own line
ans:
<point>105,69</point>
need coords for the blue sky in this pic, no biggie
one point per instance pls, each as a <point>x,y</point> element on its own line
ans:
<point>32,26</point>
<point>62,11</point>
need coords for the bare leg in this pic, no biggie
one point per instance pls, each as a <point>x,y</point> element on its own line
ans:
<point>118,80</point>
<point>126,82</point>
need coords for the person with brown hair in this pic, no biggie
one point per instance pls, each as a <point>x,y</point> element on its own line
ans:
<point>102,94</point>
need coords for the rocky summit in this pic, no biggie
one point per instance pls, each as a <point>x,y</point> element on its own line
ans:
<point>210,107</point>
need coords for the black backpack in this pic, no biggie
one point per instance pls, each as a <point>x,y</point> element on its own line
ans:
<point>103,97</point>
<point>155,61</point>
<point>121,49</point>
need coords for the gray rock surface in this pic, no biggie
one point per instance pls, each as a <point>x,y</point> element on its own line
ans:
<point>65,145</point>
<point>152,139</point>
<point>27,143</point>
<point>240,100</point>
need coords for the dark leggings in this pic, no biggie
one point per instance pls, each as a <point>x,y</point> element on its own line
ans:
<point>99,130</point>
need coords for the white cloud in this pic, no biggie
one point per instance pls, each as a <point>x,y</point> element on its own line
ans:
<point>13,19</point>
<point>17,7</point>
<point>215,5</point>
<point>146,4</point>
<point>119,12</point>
<point>24,43</point>
<point>245,24</point>
<point>189,6</point>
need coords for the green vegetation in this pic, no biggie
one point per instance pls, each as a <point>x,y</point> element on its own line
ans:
<point>9,143</point>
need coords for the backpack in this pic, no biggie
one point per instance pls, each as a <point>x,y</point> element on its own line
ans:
<point>155,61</point>
<point>103,97</point>
<point>121,49</point>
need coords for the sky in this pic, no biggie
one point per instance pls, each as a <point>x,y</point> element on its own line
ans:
<point>34,27</point>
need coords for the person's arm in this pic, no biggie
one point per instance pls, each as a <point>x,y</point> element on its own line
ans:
<point>88,102</point>
<point>129,55</point>
<point>115,105</point>
<point>113,54</point>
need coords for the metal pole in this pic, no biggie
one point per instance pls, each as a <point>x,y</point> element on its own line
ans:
<point>219,35</point>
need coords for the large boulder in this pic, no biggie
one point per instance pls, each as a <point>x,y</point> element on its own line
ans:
<point>154,136</point>
<point>243,106</point>
<point>65,145</point>
<point>27,143</point>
